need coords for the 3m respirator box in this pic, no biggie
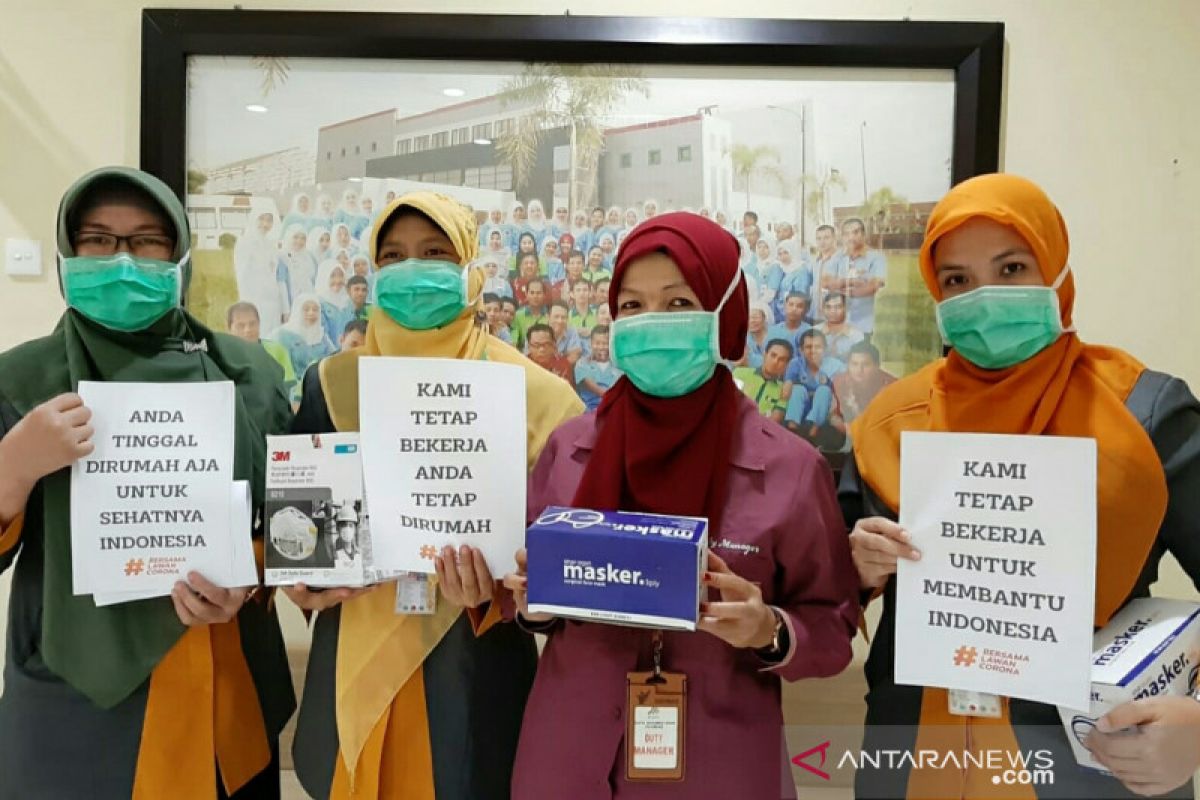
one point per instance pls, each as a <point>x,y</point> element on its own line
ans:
<point>617,567</point>
<point>1150,648</point>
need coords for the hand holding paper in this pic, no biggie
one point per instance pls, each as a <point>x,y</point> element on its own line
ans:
<point>464,576</point>
<point>876,544</point>
<point>52,436</point>
<point>201,602</point>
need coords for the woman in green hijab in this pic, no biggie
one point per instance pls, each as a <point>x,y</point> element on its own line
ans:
<point>179,697</point>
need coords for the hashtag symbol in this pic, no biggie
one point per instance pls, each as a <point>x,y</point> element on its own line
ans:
<point>964,656</point>
<point>428,551</point>
<point>134,566</point>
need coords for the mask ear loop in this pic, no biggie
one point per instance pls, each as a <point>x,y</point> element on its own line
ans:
<point>1054,287</point>
<point>738,277</point>
<point>187,256</point>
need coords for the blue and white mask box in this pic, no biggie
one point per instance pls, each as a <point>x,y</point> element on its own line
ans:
<point>1150,648</point>
<point>617,567</point>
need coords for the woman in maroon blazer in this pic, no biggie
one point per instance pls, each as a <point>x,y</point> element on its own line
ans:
<point>675,436</point>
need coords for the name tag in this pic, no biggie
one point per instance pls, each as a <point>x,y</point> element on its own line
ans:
<point>974,704</point>
<point>657,716</point>
<point>415,594</point>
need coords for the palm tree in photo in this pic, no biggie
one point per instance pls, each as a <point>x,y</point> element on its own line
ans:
<point>750,161</point>
<point>275,71</point>
<point>877,211</point>
<point>819,197</point>
<point>195,180</point>
<point>578,97</point>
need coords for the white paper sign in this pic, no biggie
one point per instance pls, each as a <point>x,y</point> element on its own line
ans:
<point>443,446</point>
<point>1002,598</point>
<point>152,502</point>
<point>245,568</point>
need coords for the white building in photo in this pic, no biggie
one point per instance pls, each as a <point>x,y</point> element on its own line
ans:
<point>680,162</point>
<point>266,174</point>
<point>344,148</point>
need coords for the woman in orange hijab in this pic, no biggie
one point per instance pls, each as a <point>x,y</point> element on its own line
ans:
<point>995,260</point>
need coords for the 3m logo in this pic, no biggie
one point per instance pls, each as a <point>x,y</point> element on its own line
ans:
<point>281,455</point>
<point>134,566</point>
<point>823,749</point>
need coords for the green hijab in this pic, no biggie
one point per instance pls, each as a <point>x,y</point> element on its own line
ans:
<point>107,653</point>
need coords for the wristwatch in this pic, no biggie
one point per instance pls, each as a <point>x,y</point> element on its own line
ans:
<point>775,648</point>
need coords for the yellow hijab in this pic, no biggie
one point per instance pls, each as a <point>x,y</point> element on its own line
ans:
<point>380,653</point>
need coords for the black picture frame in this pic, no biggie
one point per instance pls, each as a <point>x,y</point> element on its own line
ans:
<point>973,50</point>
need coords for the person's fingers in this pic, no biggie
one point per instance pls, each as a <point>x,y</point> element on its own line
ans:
<point>487,584</point>
<point>515,583</point>
<point>1129,714</point>
<point>522,561</point>
<point>467,577</point>
<point>731,612</point>
<point>452,587</point>
<point>717,564</point>
<point>84,449</point>
<point>884,527</point>
<point>74,417</point>
<point>194,603</point>
<point>1118,748</point>
<point>879,543</point>
<point>207,589</point>
<point>83,433</point>
<point>482,573</point>
<point>439,569</point>
<point>65,402</point>
<point>732,587</point>
<point>182,612</point>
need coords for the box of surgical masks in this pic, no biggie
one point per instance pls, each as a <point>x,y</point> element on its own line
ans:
<point>1150,648</point>
<point>617,567</point>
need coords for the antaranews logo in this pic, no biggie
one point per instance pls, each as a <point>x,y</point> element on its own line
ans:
<point>1020,768</point>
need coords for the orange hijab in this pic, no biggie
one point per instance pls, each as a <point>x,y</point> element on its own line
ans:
<point>1068,389</point>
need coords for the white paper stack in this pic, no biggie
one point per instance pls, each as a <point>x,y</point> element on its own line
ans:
<point>156,500</point>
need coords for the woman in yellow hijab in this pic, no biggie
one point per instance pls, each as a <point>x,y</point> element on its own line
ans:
<point>995,260</point>
<point>418,706</point>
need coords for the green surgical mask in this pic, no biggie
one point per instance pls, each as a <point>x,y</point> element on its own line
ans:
<point>669,353</point>
<point>122,292</point>
<point>995,327</point>
<point>422,294</point>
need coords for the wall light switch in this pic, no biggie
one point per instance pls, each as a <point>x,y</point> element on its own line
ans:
<point>22,257</point>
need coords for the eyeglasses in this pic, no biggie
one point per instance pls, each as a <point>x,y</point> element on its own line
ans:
<point>105,244</point>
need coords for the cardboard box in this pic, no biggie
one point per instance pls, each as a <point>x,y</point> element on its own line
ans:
<point>617,567</point>
<point>1151,647</point>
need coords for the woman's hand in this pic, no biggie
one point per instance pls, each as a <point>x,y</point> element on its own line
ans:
<point>464,577</point>
<point>54,435</point>
<point>200,602</point>
<point>875,544</point>
<point>1161,754</point>
<point>320,600</point>
<point>741,618</point>
<point>518,584</point>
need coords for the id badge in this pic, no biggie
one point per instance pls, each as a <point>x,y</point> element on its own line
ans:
<point>656,710</point>
<point>974,704</point>
<point>415,594</point>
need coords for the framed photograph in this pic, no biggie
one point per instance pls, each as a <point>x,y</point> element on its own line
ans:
<point>821,146</point>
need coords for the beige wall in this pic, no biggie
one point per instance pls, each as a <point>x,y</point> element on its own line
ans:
<point>1099,108</point>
